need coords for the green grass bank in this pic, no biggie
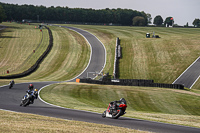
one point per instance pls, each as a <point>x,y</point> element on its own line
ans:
<point>20,47</point>
<point>68,58</point>
<point>157,104</point>
<point>13,122</point>
<point>162,59</point>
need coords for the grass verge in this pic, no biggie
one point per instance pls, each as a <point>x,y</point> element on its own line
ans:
<point>13,122</point>
<point>177,107</point>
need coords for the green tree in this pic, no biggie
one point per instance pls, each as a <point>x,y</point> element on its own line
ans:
<point>139,21</point>
<point>65,14</point>
<point>149,18</point>
<point>169,21</point>
<point>196,22</point>
<point>158,20</point>
<point>186,25</point>
<point>2,14</point>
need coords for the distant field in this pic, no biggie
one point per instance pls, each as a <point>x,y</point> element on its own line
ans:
<point>162,60</point>
<point>156,104</point>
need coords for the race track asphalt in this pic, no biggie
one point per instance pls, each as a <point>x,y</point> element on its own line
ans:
<point>10,100</point>
<point>190,75</point>
<point>98,54</point>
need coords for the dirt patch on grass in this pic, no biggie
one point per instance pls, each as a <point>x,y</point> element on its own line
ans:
<point>186,92</point>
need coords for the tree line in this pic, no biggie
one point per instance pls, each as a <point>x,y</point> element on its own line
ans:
<point>118,16</point>
<point>65,14</point>
<point>158,21</point>
<point>169,21</point>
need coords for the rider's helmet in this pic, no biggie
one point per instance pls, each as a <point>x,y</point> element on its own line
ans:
<point>30,87</point>
<point>35,89</point>
<point>123,100</point>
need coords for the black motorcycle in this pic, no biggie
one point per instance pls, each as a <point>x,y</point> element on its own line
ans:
<point>11,84</point>
<point>29,98</point>
<point>115,109</point>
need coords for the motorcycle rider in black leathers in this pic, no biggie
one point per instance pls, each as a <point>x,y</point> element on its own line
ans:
<point>32,92</point>
<point>35,93</point>
<point>114,104</point>
<point>30,87</point>
<point>12,82</point>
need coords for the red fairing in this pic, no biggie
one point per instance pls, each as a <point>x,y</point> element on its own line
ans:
<point>123,106</point>
<point>108,107</point>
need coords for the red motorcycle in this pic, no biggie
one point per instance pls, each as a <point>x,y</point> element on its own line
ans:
<point>115,109</point>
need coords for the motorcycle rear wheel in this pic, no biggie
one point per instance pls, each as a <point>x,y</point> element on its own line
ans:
<point>117,115</point>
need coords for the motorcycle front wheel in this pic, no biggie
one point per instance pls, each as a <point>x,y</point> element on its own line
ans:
<point>104,114</point>
<point>25,102</point>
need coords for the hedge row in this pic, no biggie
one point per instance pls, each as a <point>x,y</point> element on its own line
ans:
<point>36,65</point>
<point>132,82</point>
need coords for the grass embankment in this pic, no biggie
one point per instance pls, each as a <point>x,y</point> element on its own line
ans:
<point>17,45</point>
<point>163,105</point>
<point>161,60</point>
<point>12,122</point>
<point>68,58</point>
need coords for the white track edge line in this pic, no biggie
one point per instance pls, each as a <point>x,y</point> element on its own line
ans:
<point>195,82</point>
<point>78,75</point>
<point>90,48</point>
<point>60,106</point>
<point>186,69</point>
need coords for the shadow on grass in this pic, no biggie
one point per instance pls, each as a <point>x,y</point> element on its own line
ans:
<point>7,36</point>
<point>7,30</point>
<point>12,27</point>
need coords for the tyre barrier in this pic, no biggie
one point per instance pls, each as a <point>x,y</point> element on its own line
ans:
<point>36,65</point>
<point>117,56</point>
<point>132,82</point>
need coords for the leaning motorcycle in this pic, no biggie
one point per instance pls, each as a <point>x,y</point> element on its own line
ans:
<point>29,98</point>
<point>117,112</point>
<point>10,85</point>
